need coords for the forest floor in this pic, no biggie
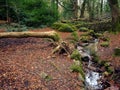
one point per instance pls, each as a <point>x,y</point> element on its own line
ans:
<point>27,63</point>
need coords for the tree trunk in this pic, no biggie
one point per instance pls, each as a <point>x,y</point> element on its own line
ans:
<point>50,34</point>
<point>115,13</point>
<point>75,7</point>
<point>101,7</point>
<point>83,9</point>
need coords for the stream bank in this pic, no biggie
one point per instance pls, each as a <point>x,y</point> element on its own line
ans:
<point>94,73</point>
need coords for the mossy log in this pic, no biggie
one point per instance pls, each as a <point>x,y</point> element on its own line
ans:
<point>49,34</point>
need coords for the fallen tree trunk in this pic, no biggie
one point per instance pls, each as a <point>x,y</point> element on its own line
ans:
<point>49,34</point>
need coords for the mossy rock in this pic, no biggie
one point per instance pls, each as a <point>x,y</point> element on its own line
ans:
<point>57,25</point>
<point>104,44</point>
<point>117,51</point>
<point>83,29</point>
<point>97,35</point>
<point>91,32</point>
<point>85,38</point>
<point>105,38</point>
<point>75,55</point>
<point>64,27</point>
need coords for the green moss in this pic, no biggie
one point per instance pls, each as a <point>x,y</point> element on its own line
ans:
<point>56,25</point>
<point>91,32</point>
<point>64,27</point>
<point>117,51</point>
<point>75,36</point>
<point>95,57</point>
<point>104,44</point>
<point>105,38</point>
<point>75,55</point>
<point>110,70</point>
<point>83,29</point>
<point>77,68</point>
<point>97,35</point>
<point>56,37</point>
<point>85,38</point>
<point>117,27</point>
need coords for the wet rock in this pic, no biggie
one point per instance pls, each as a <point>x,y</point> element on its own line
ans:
<point>84,55</point>
<point>85,59</point>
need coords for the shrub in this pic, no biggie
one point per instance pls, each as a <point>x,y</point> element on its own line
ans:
<point>39,13</point>
<point>104,44</point>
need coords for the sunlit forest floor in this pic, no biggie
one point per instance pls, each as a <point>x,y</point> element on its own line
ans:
<point>27,63</point>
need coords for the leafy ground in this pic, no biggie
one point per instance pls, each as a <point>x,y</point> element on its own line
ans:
<point>27,64</point>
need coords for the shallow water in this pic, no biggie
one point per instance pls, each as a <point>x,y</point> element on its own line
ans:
<point>92,78</point>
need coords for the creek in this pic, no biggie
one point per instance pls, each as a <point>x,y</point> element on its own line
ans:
<point>92,75</point>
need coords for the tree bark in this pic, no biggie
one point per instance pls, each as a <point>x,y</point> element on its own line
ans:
<point>101,7</point>
<point>50,34</point>
<point>75,7</point>
<point>115,12</point>
<point>83,9</point>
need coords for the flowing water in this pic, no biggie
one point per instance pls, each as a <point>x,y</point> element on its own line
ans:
<point>92,78</point>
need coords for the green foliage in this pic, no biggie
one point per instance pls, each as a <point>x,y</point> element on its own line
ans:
<point>75,55</point>
<point>104,44</point>
<point>16,28</point>
<point>79,69</point>
<point>75,36</point>
<point>30,12</point>
<point>39,13</point>
<point>95,57</point>
<point>117,51</point>
<point>63,27</point>
<point>68,9</point>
